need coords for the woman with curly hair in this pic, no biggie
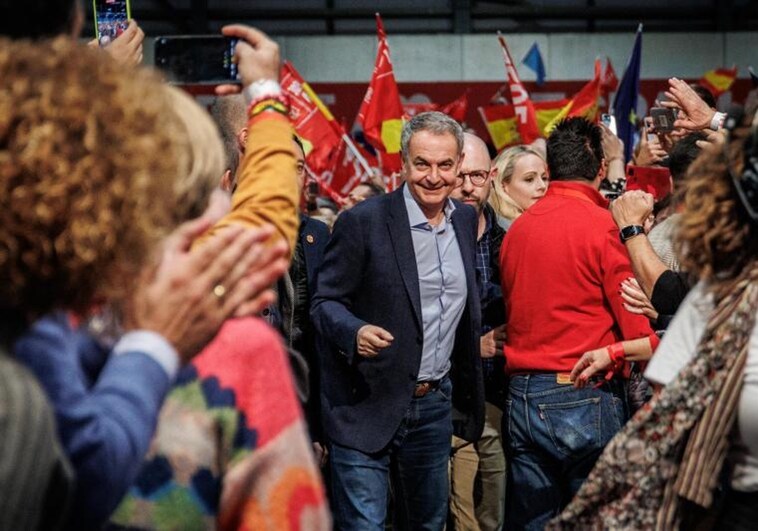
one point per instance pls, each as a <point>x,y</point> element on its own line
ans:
<point>93,184</point>
<point>664,469</point>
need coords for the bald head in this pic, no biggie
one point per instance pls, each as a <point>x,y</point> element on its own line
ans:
<point>475,148</point>
<point>477,171</point>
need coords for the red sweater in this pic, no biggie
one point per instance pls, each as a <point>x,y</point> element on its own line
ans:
<point>562,264</point>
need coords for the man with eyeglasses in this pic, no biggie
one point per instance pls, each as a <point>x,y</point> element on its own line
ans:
<point>477,469</point>
<point>397,301</point>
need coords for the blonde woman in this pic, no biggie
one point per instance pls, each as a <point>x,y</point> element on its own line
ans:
<point>521,180</point>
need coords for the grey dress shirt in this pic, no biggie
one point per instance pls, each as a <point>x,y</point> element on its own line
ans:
<point>442,285</point>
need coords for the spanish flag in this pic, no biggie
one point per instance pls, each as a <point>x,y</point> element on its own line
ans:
<point>381,113</point>
<point>719,80</point>
<point>584,103</point>
<point>502,125</point>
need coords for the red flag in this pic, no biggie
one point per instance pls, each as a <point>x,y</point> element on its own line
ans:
<point>609,82</point>
<point>320,132</point>
<point>412,109</point>
<point>525,114</point>
<point>457,108</point>
<point>349,171</point>
<point>381,113</point>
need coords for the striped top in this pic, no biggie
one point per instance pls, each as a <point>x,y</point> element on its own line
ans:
<point>36,481</point>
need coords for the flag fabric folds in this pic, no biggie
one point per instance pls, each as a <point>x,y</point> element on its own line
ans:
<point>609,82</point>
<point>625,103</point>
<point>584,104</point>
<point>533,60</point>
<point>719,80</point>
<point>526,119</point>
<point>313,122</point>
<point>381,113</point>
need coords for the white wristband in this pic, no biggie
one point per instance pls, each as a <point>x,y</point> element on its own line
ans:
<point>263,87</point>
<point>717,121</point>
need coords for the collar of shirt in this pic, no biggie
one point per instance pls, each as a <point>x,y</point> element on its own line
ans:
<point>489,220</point>
<point>578,190</point>
<point>416,217</point>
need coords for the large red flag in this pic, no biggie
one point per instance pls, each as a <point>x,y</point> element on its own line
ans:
<point>381,113</point>
<point>314,124</point>
<point>526,118</point>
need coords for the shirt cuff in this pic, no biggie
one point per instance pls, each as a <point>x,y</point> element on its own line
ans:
<point>718,121</point>
<point>152,345</point>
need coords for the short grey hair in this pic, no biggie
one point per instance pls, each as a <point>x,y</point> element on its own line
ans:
<point>435,122</point>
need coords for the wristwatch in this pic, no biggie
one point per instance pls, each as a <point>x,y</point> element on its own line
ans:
<point>630,231</point>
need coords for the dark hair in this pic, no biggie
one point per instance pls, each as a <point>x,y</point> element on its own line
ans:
<point>375,188</point>
<point>574,150</point>
<point>705,94</point>
<point>684,152</point>
<point>37,19</point>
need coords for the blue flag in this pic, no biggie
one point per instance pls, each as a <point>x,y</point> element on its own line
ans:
<point>533,60</point>
<point>625,103</point>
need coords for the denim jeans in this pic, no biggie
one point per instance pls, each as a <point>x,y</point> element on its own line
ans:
<point>554,434</point>
<point>418,454</point>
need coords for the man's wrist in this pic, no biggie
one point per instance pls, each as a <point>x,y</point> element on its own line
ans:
<point>628,232</point>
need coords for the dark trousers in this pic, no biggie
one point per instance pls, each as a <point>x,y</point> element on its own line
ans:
<point>553,434</point>
<point>418,454</point>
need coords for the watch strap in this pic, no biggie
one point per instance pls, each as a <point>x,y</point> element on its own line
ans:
<point>630,231</point>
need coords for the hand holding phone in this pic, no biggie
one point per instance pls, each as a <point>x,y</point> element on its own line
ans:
<point>663,119</point>
<point>610,122</point>
<point>197,60</point>
<point>256,54</point>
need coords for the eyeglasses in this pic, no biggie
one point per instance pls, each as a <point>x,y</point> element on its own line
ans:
<point>478,178</point>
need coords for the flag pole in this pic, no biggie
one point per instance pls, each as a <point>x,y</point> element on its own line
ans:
<point>356,152</point>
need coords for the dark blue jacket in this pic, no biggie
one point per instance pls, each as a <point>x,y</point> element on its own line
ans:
<point>106,408</point>
<point>369,276</point>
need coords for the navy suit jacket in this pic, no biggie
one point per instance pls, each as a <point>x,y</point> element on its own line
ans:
<point>369,276</point>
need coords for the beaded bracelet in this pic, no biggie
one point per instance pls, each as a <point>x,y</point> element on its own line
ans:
<point>269,104</point>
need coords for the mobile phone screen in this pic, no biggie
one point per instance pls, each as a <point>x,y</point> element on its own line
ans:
<point>193,60</point>
<point>111,19</point>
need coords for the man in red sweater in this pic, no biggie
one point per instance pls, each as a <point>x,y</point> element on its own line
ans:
<point>562,263</point>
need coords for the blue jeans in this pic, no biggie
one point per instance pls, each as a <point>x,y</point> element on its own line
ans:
<point>418,453</point>
<point>553,434</point>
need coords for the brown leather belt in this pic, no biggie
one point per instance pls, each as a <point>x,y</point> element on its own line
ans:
<point>422,388</point>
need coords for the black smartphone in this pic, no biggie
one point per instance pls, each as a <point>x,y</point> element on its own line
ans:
<point>663,119</point>
<point>313,188</point>
<point>201,60</point>
<point>111,19</point>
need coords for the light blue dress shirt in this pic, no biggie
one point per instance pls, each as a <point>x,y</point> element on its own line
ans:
<point>442,286</point>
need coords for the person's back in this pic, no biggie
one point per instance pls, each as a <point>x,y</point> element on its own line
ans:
<point>554,279</point>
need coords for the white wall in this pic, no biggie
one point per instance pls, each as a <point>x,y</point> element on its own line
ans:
<point>567,56</point>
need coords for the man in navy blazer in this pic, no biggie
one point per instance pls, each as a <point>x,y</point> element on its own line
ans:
<point>397,309</point>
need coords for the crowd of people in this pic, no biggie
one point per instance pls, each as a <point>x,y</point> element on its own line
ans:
<point>499,343</point>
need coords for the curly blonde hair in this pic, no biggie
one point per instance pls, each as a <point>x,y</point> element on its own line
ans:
<point>716,239</point>
<point>88,163</point>
<point>505,163</point>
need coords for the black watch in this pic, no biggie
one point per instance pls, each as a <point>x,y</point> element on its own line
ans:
<point>630,231</point>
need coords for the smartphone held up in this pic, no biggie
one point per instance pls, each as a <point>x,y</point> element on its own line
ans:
<point>197,60</point>
<point>111,19</point>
